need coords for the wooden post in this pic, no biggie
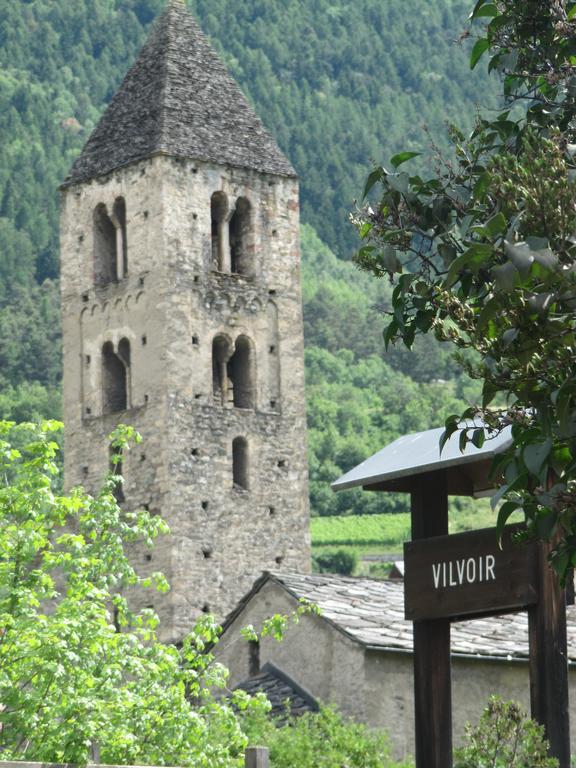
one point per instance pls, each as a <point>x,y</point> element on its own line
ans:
<point>549,662</point>
<point>257,757</point>
<point>432,668</point>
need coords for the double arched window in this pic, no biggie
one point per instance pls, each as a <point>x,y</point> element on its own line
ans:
<point>110,243</point>
<point>233,372</point>
<point>231,230</point>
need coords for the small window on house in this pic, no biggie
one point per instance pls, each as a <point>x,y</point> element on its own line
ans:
<point>115,377</point>
<point>119,221</point>
<point>240,247</point>
<point>105,253</point>
<point>241,371</point>
<point>240,463</point>
<point>218,211</point>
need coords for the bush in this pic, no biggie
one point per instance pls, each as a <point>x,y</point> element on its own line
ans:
<point>504,738</point>
<point>69,680</point>
<point>320,740</point>
<point>342,561</point>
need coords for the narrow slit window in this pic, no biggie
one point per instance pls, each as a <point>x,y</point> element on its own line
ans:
<point>240,463</point>
<point>119,220</point>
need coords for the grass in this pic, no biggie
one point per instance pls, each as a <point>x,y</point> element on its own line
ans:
<point>386,534</point>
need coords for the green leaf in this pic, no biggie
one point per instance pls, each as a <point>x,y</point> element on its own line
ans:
<point>399,181</point>
<point>497,225</point>
<point>390,260</point>
<point>450,426</point>
<point>535,455</point>
<point>480,47</point>
<point>505,277</point>
<point>481,186</point>
<point>374,177</point>
<point>485,11</point>
<point>402,157</point>
<point>478,437</point>
<point>476,255</point>
<point>365,229</point>
<point>504,513</point>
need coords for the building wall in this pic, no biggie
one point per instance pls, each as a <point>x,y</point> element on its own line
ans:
<point>170,306</point>
<point>374,687</point>
<point>321,660</point>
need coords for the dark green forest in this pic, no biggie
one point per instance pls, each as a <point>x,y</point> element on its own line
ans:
<point>341,85</point>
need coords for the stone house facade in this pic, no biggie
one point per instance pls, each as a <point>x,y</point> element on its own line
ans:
<point>181,305</point>
<point>357,654</point>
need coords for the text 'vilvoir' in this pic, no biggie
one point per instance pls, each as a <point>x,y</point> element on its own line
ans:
<point>467,570</point>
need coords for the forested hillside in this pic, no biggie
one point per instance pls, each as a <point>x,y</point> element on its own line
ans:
<point>340,84</point>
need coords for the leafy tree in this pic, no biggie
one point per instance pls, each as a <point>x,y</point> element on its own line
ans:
<point>504,738</point>
<point>70,680</point>
<point>320,740</point>
<point>483,255</point>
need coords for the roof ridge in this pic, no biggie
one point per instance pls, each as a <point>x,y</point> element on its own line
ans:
<point>178,99</point>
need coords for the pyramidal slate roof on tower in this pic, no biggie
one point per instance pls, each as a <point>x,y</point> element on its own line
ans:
<point>178,99</point>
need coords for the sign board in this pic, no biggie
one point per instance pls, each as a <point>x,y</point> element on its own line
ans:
<point>468,574</point>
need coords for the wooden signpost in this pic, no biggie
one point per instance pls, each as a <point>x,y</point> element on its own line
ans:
<point>448,578</point>
<point>468,575</point>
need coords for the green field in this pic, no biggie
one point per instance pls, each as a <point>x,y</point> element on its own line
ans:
<point>385,534</point>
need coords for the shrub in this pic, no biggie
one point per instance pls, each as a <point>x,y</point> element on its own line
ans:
<point>320,740</point>
<point>342,561</point>
<point>504,738</point>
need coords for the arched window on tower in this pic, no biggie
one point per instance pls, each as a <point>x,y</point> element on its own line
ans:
<point>233,372</point>
<point>119,220</point>
<point>241,371</point>
<point>222,386</point>
<point>110,243</point>
<point>240,231</point>
<point>115,377</point>
<point>105,253</point>
<point>220,246</point>
<point>240,463</point>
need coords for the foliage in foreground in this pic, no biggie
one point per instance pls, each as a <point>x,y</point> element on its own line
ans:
<point>69,680</point>
<point>504,738</point>
<point>483,255</point>
<point>320,740</point>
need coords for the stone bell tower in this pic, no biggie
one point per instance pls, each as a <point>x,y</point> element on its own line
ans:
<point>182,317</point>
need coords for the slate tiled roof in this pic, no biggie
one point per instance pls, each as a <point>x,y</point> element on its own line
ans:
<point>395,466</point>
<point>372,613</point>
<point>178,99</point>
<point>279,690</point>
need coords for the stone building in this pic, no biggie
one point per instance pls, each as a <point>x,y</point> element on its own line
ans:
<point>182,317</point>
<point>357,654</point>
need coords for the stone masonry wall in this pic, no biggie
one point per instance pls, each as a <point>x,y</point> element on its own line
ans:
<point>170,307</point>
